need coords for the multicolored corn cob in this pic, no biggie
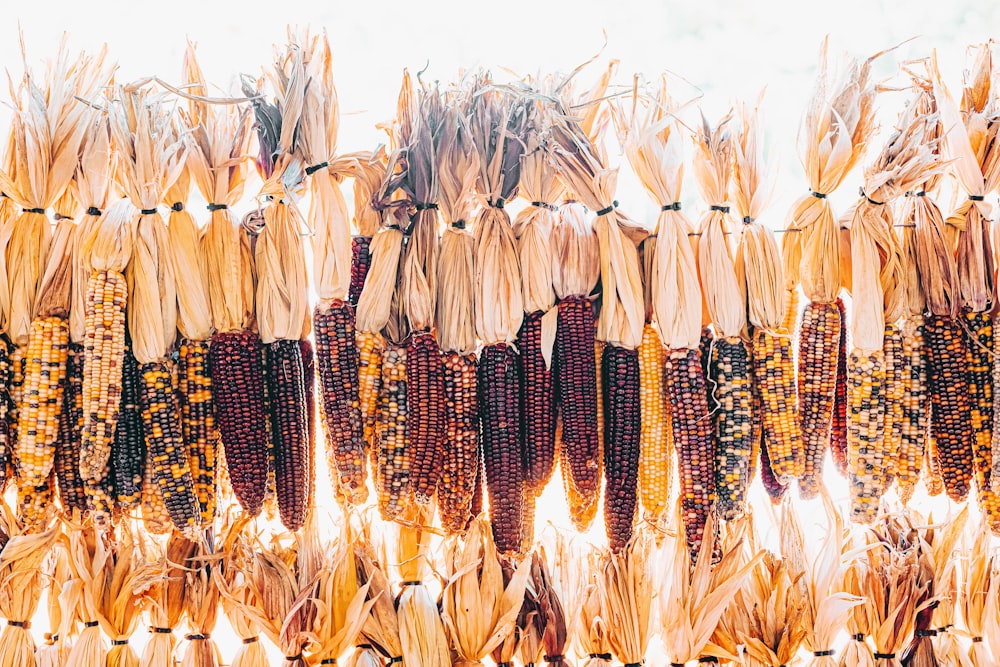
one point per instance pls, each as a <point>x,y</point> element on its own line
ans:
<point>361,261</point>
<point>194,386</point>
<point>371,346</point>
<point>729,371</point>
<point>461,459</point>
<point>951,405</point>
<point>915,409</point>
<point>819,348</point>
<point>774,379</point>
<point>41,399</point>
<point>838,430</point>
<point>72,495</point>
<point>393,470</point>
<point>128,451</point>
<point>866,409</point>
<point>426,423</point>
<point>892,347</point>
<point>979,329</point>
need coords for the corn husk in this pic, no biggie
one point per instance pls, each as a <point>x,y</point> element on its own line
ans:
<point>161,582</point>
<point>591,622</point>
<point>238,595</point>
<point>21,582</point>
<point>977,581</point>
<point>833,137</point>
<point>58,644</point>
<point>119,600</point>
<point>478,610</point>
<point>368,177</point>
<point>627,592</point>
<point>551,621</point>
<point>201,604</point>
<point>8,215</point>
<point>859,621</point>
<point>939,549</point>
<point>381,626</point>
<point>653,145</point>
<point>534,616</point>
<point>88,556</point>
<point>421,627</point>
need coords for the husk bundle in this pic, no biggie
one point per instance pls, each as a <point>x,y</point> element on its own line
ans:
<point>21,582</point>
<point>162,585</point>
<point>62,625</point>
<point>591,625</point>
<point>421,625</point>
<point>550,603</point>
<point>87,555</point>
<point>626,588</point>
<point>381,625</point>
<point>974,597</point>
<point>239,597</point>
<point>201,604</point>
<point>771,607</point>
<point>120,599</point>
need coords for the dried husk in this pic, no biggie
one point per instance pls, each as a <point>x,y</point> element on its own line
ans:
<point>551,610</point>
<point>627,592</point>
<point>54,285</point>
<point>940,545</point>
<point>88,556</point>
<point>381,626</point>
<point>201,604</point>
<point>421,626</point>
<point>62,625</point>
<point>194,316</point>
<point>591,623</point>
<point>119,600</point>
<point>161,583</point>
<point>294,639</point>
<point>833,137</point>
<point>238,595</point>
<point>368,173</point>
<point>8,215</point>
<point>22,580</point>
<point>977,581</point>
<point>772,610</point>
<point>859,621</point>
<point>375,306</point>
<point>533,617</point>
<point>478,610</point>
<point>653,145</point>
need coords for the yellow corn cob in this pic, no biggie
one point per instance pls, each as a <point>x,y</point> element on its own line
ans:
<point>371,345</point>
<point>198,421</point>
<point>774,375</point>
<point>893,349</point>
<point>915,413</point>
<point>155,516</point>
<point>655,439</point>
<point>979,328</point>
<point>36,504</point>
<point>393,469</point>
<point>41,398</point>
<point>866,383</point>
<point>791,310</point>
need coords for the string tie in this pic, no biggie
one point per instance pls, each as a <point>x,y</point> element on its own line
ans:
<point>601,656</point>
<point>860,637</point>
<point>40,211</point>
<point>885,656</point>
<point>198,637</point>
<point>976,197</point>
<point>545,205</point>
<point>458,224</point>
<point>91,624</point>
<point>716,207</point>
<point>861,191</point>
<point>119,642</point>
<point>555,658</point>
<point>217,207</point>
<point>427,207</point>
<point>496,204</point>
<point>818,195</point>
<point>250,640</point>
<point>177,206</point>
<point>148,211</point>
<point>26,625</point>
<point>676,206</point>
<point>823,654</point>
<point>607,209</point>
<point>316,167</point>
<point>93,210</point>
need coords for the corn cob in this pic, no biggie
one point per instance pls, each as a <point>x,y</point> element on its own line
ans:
<point>818,357</point>
<point>932,480</point>
<point>41,398</point>
<point>730,373</point>
<point>656,439</point>
<point>951,406</point>
<point>622,427</point>
<point>866,402</point>
<point>791,310</point>
<point>583,507</point>
<point>238,389</point>
<point>979,329</point>
<point>72,495</point>
<point>426,414</point>
<point>104,350</point>
<point>915,412</point>
<point>309,373</point>
<point>838,428</point>
<point>371,346</point>
<point>101,502</point>
<point>756,423</point>
<point>289,413</point>
<point>198,421</point>
<point>500,423</point>
<point>774,375</point>
<point>168,456</point>
<point>774,487</point>
<point>995,466</point>
<point>538,415</point>
<point>128,451</point>
<point>461,462</point>
<point>692,427</point>
<point>155,516</point>
<point>34,504</point>
<point>393,478</point>
<point>8,411</point>
<point>361,260</point>
<point>893,349</point>
<point>338,359</point>
<point>575,370</point>
<point>477,492</point>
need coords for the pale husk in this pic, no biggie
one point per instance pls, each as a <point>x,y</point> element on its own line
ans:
<point>21,582</point>
<point>294,638</point>
<point>63,628</point>
<point>375,303</point>
<point>381,626</point>
<point>120,601</point>
<point>54,296</point>
<point>977,581</point>
<point>832,139</point>
<point>551,610</point>
<point>590,620</point>
<point>626,585</point>
<point>152,292</point>
<point>654,145</point>
<point>368,176</point>
<point>859,621</point>
<point>478,611</point>
<point>772,609</point>
<point>161,583</point>
<point>421,626</point>
<point>533,617</point>
<point>88,555</point>
<point>238,595</point>
<point>201,605</point>
<point>8,215</point>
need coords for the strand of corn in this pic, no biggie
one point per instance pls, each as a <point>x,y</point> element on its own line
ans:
<point>155,516</point>
<point>730,373</point>
<point>371,347</point>
<point>8,412</point>
<point>819,346</point>
<point>684,381</point>
<point>622,429</point>
<point>656,439</point>
<point>951,405</point>
<point>35,504</point>
<point>128,451</point>
<point>393,479</point>
<point>361,261</point>
<point>338,359</point>
<point>427,414</point>
<point>979,328</point>
<point>838,429</point>
<point>576,376</point>
<point>866,410</point>
<point>538,412</point>
<point>498,390</point>
<point>70,485</point>
<point>168,456</point>
<point>461,452</point>
<point>289,411</point>
<point>104,350</point>
<point>198,421</point>
<point>774,376</point>
<point>41,398</point>
<point>892,346</point>
<point>915,412</point>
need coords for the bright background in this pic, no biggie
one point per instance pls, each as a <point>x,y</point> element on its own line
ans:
<point>727,49</point>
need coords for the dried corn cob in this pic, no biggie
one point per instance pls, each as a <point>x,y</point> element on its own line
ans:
<point>951,405</point>
<point>309,373</point>
<point>865,425</point>
<point>168,457</point>
<point>72,495</point>
<point>426,413</point>
<point>730,372</point>
<point>893,350</point>
<point>194,386</point>
<point>35,504</point>
<point>41,398</point>
<point>236,364</point>
<point>692,427</point>
<point>289,410</point>
<point>338,359</point>
<point>461,459</point>
<point>915,409</point>
<point>656,438</point>
<point>774,486</point>
<point>128,451</point>
<point>500,423</point>
<point>979,329</point>
<point>8,411</point>
<point>838,428</point>
<point>155,516</point>
<point>371,346</point>
<point>101,502</point>
<point>360,262</point>
<point>791,308</point>
<point>538,414</point>
<point>393,479</point>
<point>622,407</point>
<point>932,480</point>
<point>583,507</point>
<point>818,358</point>
<point>774,373</point>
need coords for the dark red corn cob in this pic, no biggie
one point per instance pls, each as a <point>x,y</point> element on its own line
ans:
<point>72,492</point>
<point>309,373</point>
<point>361,260</point>
<point>236,361</point>
<point>538,413</point>
<point>499,391</point>
<point>838,430</point>
<point>337,358</point>
<point>128,451</point>
<point>426,424</point>
<point>575,370</point>
<point>951,405</point>
<point>289,413</point>
<point>461,462</point>
<point>819,356</point>
<point>622,423</point>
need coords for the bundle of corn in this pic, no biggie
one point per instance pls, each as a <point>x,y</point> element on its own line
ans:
<point>479,612</point>
<point>940,544</point>
<point>380,632</point>
<point>991,617</point>
<point>874,366</point>
<point>496,122</point>
<point>201,604</point>
<point>770,606</point>
<point>457,169</point>
<point>920,651</point>
<point>333,318</point>
<point>816,575</point>
<point>835,131</point>
<point>697,594</point>
<point>22,579</point>
<point>533,228</point>
<point>591,626</point>
<point>550,610</point>
<point>367,177</point>
<point>626,588</point>
<point>119,599</point>
<point>969,141</point>
<point>238,596</point>
<point>977,581</point>
<point>620,325</point>
<point>859,621</point>
<point>150,159</point>
<point>515,640</point>
<point>161,582</point>
<point>532,619</point>
<point>654,151</point>
<point>282,293</point>
<point>63,626</point>
<point>88,554</point>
